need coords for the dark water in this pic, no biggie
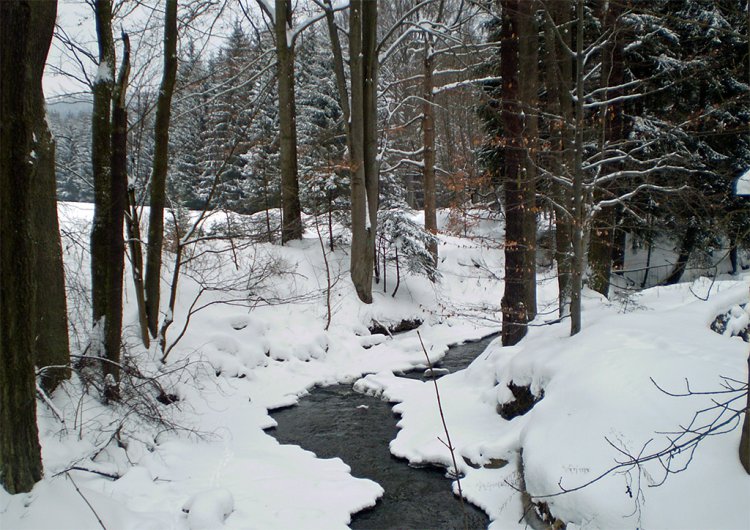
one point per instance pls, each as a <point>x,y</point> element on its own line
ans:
<point>335,421</point>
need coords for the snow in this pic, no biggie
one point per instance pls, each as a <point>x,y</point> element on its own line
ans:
<point>104,73</point>
<point>208,509</point>
<point>238,361</point>
<point>742,186</point>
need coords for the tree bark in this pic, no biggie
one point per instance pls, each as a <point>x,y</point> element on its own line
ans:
<point>528,88</point>
<point>600,251</point>
<point>579,244</point>
<point>291,223</point>
<point>559,76</point>
<point>428,146</point>
<point>602,246</point>
<point>117,205</point>
<point>159,172</point>
<point>745,436</point>
<point>51,313</point>
<point>686,248</point>
<point>25,34</point>
<point>363,144</point>
<point>515,312</point>
<point>101,160</point>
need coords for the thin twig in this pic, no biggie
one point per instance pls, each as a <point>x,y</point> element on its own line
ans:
<point>86,501</point>
<point>449,445</point>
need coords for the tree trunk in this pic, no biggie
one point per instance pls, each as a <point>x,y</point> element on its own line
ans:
<point>25,34</point>
<point>559,75</point>
<point>428,146</point>
<point>579,245</point>
<point>118,204</point>
<point>686,248</point>
<point>159,173</point>
<point>133,224</point>
<point>528,78</point>
<point>51,316</point>
<point>515,312</point>
<point>600,251</point>
<point>363,144</point>
<point>291,218</point>
<point>745,436</point>
<point>101,160</point>
<point>370,115</point>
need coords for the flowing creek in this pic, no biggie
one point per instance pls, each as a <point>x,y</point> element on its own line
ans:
<point>336,421</point>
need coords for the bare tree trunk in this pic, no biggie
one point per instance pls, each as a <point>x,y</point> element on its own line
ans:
<point>25,34</point>
<point>133,224</point>
<point>745,436</point>
<point>370,115</point>
<point>291,218</point>
<point>159,173</point>
<point>686,248</point>
<point>51,314</point>
<point>363,143</point>
<point>118,204</point>
<point>428,146</point>
<point>600,251</point>
<point>579,244</point>
<point>528,78</point>
<point>602,247</point>
<point>515,315</point>
<point>559,76</point>
<point>101,162</point>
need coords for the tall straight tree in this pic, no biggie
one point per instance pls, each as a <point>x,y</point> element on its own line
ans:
<point>612,122</point>
<point>363,143</point>
<point>514,301</point>
<point>26,29</point>
<point>50,315</point>
<point>428,135</point>
<point>159,172</point>
<point>528,88</point>
<point>102,229</point>
<point>291,218</point>
<point>559,106</point>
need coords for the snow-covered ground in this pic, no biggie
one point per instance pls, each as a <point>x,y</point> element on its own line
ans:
<point>218,468</point>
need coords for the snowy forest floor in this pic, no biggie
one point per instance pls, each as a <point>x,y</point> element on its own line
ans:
<point>259,343</point>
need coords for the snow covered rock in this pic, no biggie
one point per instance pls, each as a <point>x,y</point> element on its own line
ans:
<point>434,373</point>
<point>208,509</point>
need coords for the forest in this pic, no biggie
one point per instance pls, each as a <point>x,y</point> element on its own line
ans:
<point>240,238</point>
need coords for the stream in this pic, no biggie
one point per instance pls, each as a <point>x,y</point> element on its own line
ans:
<point>336,421</point>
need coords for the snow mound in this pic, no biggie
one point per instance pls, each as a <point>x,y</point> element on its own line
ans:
<point>208,509</point>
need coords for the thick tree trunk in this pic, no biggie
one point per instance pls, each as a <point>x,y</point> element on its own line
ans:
<point>25,34</point>
<point>360,268</point>
<point>428,146</point>
<point>370,114</point>
<point>291,217</point>
<point>101,160</point>
<point>50,313</point>
<point>363,144</point>
<point>159,173</point>
<point>528,78</point>
<point>515,312</point>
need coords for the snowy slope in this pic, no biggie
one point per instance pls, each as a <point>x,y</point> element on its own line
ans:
<point>236,361</point>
